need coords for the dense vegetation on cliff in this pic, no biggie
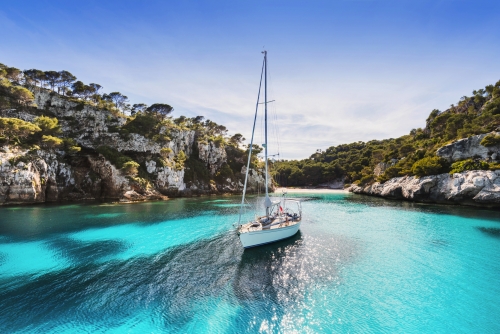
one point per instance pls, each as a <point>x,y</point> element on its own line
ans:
<point>51,111</point>
<point>412,154</point>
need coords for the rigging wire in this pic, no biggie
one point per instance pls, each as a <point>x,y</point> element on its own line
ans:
<point>251,143</point>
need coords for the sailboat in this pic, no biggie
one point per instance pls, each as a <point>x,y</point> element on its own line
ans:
<point>283,216</point>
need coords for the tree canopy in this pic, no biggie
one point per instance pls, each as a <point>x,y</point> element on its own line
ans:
<point>14,128</point>
<point>161,110</point>
<point>48,125</point>
<point>66,84</point>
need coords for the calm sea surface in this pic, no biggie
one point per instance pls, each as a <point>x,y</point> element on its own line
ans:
<point>358,265</point>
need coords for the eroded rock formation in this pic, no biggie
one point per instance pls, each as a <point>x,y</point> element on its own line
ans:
<point>469,148</point>
<point>477,188</point>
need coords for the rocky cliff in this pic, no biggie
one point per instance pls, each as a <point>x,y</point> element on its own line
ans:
<point>470,148</point>
<point>473,187</point>
<point>477,188</point>
<point>56,174</point>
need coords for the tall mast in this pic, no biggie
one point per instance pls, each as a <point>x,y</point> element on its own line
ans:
<point>267,200</point>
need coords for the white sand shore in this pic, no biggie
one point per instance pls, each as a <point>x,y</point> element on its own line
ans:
<point>309,191</point>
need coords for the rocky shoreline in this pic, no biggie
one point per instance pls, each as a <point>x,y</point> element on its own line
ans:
<point>473,188</point>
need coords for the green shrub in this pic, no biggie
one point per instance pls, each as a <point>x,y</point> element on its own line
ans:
<point>117,158</point>
<point>179,159</point>
<point>224,173</point>
<point>469,164</point>
<point>49,125</point>
<point>130,167</point>
<point>236,157</point>
<point>14,129</point>
<point>5,83</point>
<point>429,166</point>
<point>71,146</point>
<point>196,170</point>
<point>74,149</point>
<point>490,140</point>
<point>143,183</point>
<point>367,179</point>
<point>142,124</point>
<point>393,171</point>
<point>219,141</point>
<point>168,163</point>
<point>22,95</point>
<point>406,149</point>
<point>161,138</point>
<point>33,149</point>
<point>69,142</point>
<point>165,151</point>
<point>493,107</point>
<point>51,141</point>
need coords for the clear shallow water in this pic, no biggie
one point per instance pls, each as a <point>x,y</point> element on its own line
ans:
<point>358,264</point>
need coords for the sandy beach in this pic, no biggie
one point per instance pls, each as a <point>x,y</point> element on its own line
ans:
<point>309,191</point>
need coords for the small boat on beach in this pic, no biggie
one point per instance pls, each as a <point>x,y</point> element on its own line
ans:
<point>282,216</point>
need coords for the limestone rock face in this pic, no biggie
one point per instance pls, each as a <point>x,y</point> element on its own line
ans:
<point>167,178</point>
<point>135,143</point>
<point>113,183</point>
<point>38,180</point>
<point>212,155</point>
<point>183,141</point>
<point>88,125</point>
<point>256,180</point>
<point>478,188</point>
<point>381,167</point>
<point>44,178</point>
<point>19,181</point>
<point>50,175</point>
<point>469,148</point>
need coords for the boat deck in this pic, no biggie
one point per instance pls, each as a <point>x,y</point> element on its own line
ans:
<point>275,224</point>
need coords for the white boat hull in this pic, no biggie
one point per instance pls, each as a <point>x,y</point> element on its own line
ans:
<point>262,237</point>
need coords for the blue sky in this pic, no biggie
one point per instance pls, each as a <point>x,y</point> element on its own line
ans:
<point>340,71</point>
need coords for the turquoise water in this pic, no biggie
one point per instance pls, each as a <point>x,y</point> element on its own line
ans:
<point>358,265</point>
